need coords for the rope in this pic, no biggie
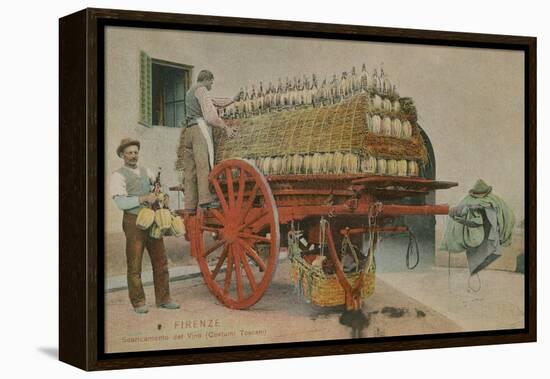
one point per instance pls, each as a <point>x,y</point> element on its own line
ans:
<point>346,242</point>
<point>298,288</point>
<point>374,211</point>
<point>323,235</point>
<point>449,272</point>
<point>372,254</point>
<point>294,255</point>
<point>412,248</point>
<point>464,227</point>
<point>470,288</point>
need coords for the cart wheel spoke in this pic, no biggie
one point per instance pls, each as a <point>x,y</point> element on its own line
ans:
<point>249,274</point>
<point>238,277</point>
<point>254,237</point>
<point>230,188</point>
<point>259,224</point>
<point>253,254</point>
<point>242,188</point>
<point>220,195</point>
<point>248,205</point>
<point>255,219</point>
<point>217,214</point>
<point>228,273</point>
<point>221,259</point>
<point>210,229</point>
<point>214,247</point>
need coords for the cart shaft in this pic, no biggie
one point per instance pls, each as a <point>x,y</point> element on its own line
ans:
<point>286,214</point>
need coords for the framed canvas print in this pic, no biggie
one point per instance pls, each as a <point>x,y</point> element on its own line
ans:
<point>237,189</point>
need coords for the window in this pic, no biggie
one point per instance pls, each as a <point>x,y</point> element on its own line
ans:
<point>162,92</point>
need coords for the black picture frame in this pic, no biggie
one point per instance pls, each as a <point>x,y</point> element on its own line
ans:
<point>81,109</point>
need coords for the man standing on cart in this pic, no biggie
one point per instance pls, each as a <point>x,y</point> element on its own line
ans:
<point>198,154</point>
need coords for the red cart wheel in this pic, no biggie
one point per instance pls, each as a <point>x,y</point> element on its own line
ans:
<point>237,245</point>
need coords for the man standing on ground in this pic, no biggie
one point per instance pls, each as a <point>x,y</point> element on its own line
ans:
<point>198,155</point>
<point>131,191</point>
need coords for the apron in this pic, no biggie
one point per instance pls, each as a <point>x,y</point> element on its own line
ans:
<point>206,131</point>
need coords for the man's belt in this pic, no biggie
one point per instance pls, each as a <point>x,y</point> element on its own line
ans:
<point>192,122</point>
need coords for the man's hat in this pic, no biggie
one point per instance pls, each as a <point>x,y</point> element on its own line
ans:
<point>480,189</point>
<point>125,143</point>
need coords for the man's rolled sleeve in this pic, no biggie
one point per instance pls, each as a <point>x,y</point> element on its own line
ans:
<point>208,109</point>
<point>119,193</point>
<point>126,202</point>
<point>222,102</point>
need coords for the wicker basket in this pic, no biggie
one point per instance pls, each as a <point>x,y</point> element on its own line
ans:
<point>320,135</point>
<point>325,290</point>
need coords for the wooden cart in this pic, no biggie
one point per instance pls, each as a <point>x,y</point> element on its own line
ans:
<point>237,245</point>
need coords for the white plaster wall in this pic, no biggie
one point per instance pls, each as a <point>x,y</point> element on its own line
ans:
<point>470,101</point>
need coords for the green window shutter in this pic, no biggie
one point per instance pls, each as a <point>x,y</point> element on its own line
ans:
<point>145,90</point>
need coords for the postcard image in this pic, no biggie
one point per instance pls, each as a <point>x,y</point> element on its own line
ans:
<point>272,189</point>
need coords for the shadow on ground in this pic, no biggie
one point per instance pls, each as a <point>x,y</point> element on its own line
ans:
<point>49,351</point>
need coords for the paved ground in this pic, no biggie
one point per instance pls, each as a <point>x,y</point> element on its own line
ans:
<point>403,304</point>
<point>426,300</point>
<point>497,304</point>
